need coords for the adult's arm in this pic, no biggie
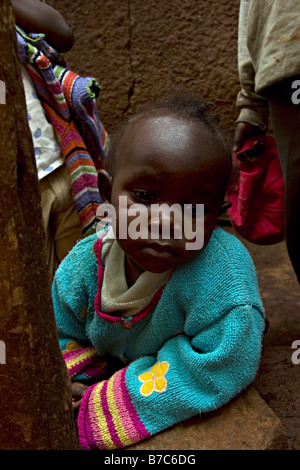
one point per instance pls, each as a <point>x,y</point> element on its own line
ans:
<point>34,16</point>
<point>253,117</point>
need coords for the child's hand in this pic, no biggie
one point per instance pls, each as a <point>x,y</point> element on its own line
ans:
<point>78,390</point>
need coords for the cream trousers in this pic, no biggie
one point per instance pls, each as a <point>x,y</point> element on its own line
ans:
<point>60,218</point>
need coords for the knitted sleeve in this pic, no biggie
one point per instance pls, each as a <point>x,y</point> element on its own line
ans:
<point>71,299</point>
<point>70,306</point>
<point>188,376</point>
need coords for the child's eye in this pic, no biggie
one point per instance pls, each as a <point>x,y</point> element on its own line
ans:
<point>144,196</point>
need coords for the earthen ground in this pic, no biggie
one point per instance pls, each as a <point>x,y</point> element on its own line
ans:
<point>278,380</point>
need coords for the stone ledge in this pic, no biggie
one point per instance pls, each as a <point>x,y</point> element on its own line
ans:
<point>245,423</point>
<point>278,383</point>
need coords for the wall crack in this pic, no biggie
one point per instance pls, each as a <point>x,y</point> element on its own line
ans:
<point>129,47</point>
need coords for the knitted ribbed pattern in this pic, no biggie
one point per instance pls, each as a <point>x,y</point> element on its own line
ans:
<point>86,362</point>
<point>81,94</point>
<point>69,100</point>
<point>107,418</point>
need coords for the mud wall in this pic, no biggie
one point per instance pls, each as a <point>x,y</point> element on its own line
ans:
<point>138,49</point>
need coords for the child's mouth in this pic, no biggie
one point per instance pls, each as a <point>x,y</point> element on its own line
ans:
<point>161,250</point>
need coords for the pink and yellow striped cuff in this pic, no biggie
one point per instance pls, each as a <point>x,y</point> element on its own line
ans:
<point>107,418</point>
<point>78,359</point>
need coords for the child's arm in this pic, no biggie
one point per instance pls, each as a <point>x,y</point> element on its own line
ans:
<point>187,377</point>
<point>35,16</point>
<point>73,290</point>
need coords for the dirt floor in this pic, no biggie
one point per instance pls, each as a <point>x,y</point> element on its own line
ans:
<point>278,380</point>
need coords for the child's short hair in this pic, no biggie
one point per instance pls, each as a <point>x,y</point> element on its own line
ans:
<point>184,103</point>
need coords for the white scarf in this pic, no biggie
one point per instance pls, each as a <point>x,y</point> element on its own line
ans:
<point>115,294</point>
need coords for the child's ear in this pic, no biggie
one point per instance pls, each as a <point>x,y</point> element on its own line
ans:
<point>104,185</point>
<point>224,207</point>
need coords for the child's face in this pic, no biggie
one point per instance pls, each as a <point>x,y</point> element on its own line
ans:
<point>167,160</point>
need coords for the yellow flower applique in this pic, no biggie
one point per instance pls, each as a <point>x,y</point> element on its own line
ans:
<point>154,380</point>
<point>71,346</point>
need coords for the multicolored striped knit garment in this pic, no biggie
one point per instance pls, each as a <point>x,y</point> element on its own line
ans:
<point>85,363</point>
<point>107,417</point>
<point>70,105</point>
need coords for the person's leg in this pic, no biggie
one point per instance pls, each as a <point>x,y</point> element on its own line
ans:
<point>64,217</point>
<point>61,221</point>
<point>67,231</point>
<point>47,201</point>
<point>285,121</point>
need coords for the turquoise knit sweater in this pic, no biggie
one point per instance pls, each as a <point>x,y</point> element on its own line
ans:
<point>190,352</point>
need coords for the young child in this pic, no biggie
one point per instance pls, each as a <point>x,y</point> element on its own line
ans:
<point>185,324</point>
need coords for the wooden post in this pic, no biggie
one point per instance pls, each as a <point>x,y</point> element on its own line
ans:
<point>35,397</point>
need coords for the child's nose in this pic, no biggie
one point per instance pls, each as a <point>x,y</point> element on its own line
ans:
<point>166,224</point>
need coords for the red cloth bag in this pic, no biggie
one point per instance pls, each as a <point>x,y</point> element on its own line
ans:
<point>257,194</point>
